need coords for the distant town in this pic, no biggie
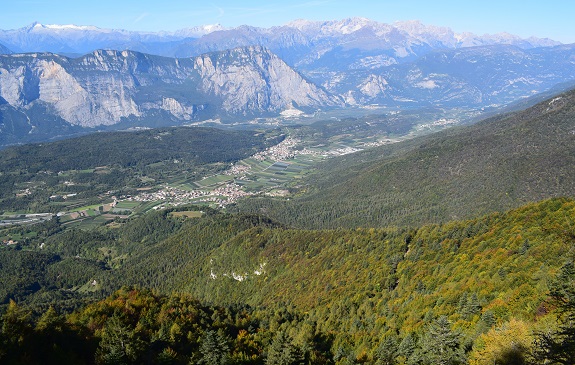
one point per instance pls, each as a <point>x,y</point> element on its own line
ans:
<point>225,188</point>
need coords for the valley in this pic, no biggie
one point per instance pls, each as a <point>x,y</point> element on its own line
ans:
<point>94,195</point>
<point>323,192</point>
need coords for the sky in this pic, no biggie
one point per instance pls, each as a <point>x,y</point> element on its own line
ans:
<point>541,18</point>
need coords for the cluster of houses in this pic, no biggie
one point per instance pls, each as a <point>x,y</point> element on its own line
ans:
<point>223,195</point>
<point>282,151</point>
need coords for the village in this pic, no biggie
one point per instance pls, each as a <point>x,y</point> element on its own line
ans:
<point>228,191</point>
<point>222,196</point>
<point>264,173</point>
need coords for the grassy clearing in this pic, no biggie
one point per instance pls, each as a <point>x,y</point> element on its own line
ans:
<point>90,223</point>
<point>188,214</point>
<point>92,213</point>
<point>144,207</point>
<point>156,164</point>
<point>185,185</point>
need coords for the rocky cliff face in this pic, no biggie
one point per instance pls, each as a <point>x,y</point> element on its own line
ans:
<point>105,87</point>
<point>473,77</point>
<point>249,80</point>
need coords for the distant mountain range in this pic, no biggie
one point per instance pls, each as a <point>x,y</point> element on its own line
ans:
<point>473,77</point>
<point>74,39</point>
<point>60,79</point>
<point>404,39</point>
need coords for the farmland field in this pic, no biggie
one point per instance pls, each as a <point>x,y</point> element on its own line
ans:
<point>213,180</point>
<point>127,204</point>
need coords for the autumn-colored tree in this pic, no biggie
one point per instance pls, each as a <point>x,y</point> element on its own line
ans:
<point>508,344</point>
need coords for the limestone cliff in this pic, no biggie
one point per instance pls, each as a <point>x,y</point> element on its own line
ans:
<point>104,87</point>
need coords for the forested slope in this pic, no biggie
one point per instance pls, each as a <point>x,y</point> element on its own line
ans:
<point>358,287</point>
<point>221,287</point>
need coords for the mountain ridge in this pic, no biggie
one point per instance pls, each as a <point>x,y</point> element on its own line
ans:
<point>4,49</point>
<point>106,87</point>
<point>355,63</point>
<point>64,38</point>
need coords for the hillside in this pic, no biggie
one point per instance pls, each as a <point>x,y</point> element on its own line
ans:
<point>37,178</point>
<point>497,164</point>
<point>355,286</point>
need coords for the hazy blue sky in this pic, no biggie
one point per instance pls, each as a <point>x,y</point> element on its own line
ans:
<point>541,18</point>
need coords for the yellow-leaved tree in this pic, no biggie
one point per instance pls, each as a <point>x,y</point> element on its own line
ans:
<point>508,344</point>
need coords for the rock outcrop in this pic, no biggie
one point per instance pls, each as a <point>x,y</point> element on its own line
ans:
<point>105,87</point>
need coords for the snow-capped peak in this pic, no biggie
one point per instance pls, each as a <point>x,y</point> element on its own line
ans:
<point>199,31</point>
<point>37,26</point>
<point>351,25</point>
<point>345,26</point>
<point>416,27</point>
<point>71,27</point>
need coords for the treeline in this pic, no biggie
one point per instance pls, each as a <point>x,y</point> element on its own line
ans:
<point>125,149</point>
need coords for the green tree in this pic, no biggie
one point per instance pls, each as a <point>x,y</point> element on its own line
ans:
<point>407,348</point>
<point>15,333</point>
<point>214,349</point>
<point>558,347</point>
<point>282,351</point>
<point>119,344</point>
<point>440,345</point>
<point>50,321</point>
<point>387,351</point>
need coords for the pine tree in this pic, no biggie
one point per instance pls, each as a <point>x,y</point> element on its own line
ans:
<point>282,351</point>
<point>387,351</point>
<point>559,347</point>
<point>50,321</point>
<point>14,333</point>
<point>119,344</point>
<point>440,345</point>
<point>473,305</point>
<point>214,349</point>
<point>407,348</point>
